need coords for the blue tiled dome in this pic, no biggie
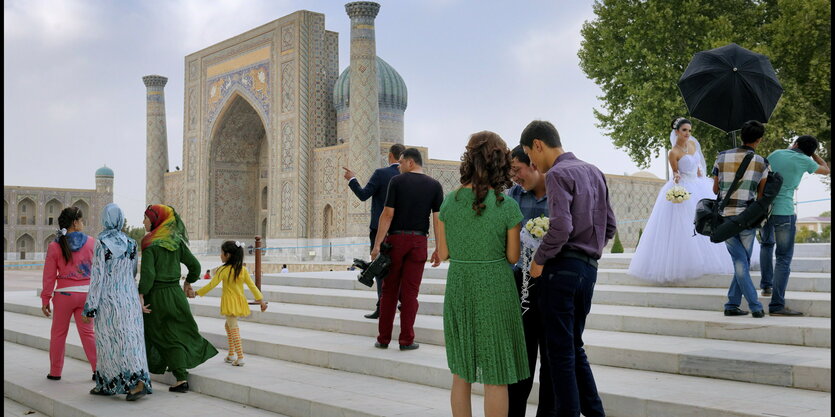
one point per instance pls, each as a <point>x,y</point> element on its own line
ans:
<point>391,88</point>
<point>104,172</point>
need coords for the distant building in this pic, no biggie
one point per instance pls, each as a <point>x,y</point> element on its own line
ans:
<point>30,214</point>
<point>815,224</point>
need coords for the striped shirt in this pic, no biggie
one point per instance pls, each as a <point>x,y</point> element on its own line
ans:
<point>725,169</point>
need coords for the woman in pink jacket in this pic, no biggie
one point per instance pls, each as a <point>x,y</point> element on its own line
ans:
<point>66,279</point>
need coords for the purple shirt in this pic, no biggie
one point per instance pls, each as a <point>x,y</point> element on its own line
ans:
<point>581,218</point>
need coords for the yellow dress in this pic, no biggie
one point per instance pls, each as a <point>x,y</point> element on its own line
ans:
<point>232,300</point>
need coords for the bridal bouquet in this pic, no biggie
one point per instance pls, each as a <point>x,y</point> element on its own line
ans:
<point>530,237</point>
<point>677,194</point>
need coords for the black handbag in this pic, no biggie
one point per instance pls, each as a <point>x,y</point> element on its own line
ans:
<point>707,220</point>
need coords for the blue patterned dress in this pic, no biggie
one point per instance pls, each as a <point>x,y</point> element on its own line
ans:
<point>120,340</point>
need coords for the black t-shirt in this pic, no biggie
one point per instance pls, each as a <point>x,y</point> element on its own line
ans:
<point>414,198</point>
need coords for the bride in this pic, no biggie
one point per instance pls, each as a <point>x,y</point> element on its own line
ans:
<point>669,250</point>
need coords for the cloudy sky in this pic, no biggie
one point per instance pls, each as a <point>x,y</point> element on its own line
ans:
<point>74,100</point>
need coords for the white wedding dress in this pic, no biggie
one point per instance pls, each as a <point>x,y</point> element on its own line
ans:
<point>668,250</point>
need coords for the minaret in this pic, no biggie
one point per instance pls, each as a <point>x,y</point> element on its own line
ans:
<point>156,152</point>
<point>364,142</point>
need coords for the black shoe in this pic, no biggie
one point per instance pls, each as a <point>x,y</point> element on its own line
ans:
<point>179,388</point>
<point>136,396</point>
<point>413,346</point>
<point>758,314</point>
<point>785,311</point>
<point>54,378</point>
<point>399,307</point>
<point>96,391</point>
<point>381,345</point>
<point>736,311</point>
<point>374,316</point>
<point>94,377</point>
<point>766,292</point>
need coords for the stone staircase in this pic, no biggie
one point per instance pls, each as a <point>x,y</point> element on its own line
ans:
<point>655,351</point>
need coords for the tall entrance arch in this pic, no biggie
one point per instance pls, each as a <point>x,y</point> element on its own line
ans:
<point>238,171</point>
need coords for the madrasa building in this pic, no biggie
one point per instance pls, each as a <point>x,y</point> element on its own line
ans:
<point>269,122</point>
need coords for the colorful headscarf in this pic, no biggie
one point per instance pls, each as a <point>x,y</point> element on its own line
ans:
<point>112,236</point>
<point>167,230</point>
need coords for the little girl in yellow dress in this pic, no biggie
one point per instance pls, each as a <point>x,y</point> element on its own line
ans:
<point>233,303</point>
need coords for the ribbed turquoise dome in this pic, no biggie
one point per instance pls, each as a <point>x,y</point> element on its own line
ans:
<point>104,172</point>
<point>390,85</point>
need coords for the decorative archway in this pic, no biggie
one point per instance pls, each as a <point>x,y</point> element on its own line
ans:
<point>85,209</point>
<point>25,244</point>
<point>327,230</point>
<point>26,211</point>
<point>47,241</point>
<point>52,211</point>
<point>235,168</point>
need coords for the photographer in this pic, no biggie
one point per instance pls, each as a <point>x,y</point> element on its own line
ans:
<point>376,189</point>
<point>404,223</point>
<point>780,227</point>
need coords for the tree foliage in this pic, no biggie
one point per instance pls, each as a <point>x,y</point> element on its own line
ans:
<point>636,50</point>
<point>617,246</point>
<point>135,233</point>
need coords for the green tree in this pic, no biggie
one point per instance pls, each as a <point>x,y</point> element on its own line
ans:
<point>827,213</point>
<point>805,235</point>
<point>637,50</point>
<point>640,232</point>
<point>617,247</point>
<point>136,233</point>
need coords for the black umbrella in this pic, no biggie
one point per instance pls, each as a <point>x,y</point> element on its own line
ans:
<point>727,86</point>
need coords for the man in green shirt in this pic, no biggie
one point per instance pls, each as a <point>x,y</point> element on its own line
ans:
<point>780,228</point>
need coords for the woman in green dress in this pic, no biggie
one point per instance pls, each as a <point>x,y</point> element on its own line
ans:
<point>479,234</point>
<point>172,340</point>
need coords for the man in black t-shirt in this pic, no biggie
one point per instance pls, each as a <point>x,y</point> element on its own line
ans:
<point>412,197</point>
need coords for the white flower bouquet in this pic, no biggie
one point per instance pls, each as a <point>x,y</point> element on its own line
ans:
<point>677,194</point>
<point>531,237</point>
<point>533,232</point>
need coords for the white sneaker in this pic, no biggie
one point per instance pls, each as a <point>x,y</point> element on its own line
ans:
<point>239,362</point>
<point>231,358</point>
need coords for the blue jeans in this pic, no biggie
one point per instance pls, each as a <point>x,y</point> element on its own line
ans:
<point>779,230</point>
<point>740,248</point>
<point>566,289</point>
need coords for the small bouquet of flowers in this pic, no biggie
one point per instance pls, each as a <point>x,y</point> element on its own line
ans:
<point>531,237</point>
<point>677,194</point>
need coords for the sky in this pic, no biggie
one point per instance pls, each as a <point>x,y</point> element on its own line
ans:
<point>73,97</point>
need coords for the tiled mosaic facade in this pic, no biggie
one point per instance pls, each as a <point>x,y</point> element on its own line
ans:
<point>263,150</point>
<point>30,215</point>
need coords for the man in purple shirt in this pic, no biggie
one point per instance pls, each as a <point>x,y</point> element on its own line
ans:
<point>581,223</point>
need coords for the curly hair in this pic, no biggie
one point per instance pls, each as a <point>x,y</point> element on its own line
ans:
<point>485,165</point>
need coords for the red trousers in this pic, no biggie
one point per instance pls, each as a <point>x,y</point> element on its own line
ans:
<point>66,305</point>
<point>408,258</point>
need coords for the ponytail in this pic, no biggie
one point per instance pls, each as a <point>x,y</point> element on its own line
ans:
<point>236,257</point>
<point>65,221</point>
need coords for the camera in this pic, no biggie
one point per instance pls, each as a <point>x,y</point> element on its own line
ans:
<point>376,268</point>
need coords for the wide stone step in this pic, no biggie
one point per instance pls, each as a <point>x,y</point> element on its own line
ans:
<point>625,392</point>
<point>347,280</point>
<point>790,366</point>
<point>799,281</point>
<point>799,264</point>
<point>816,304</point>
<point>273,386</point>
<point>798,331</point>
<point>24,381</point>
<point>813,250</point>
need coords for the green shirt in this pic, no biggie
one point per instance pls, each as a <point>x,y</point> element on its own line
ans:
<point>160,265</point>
<point>791,164</point>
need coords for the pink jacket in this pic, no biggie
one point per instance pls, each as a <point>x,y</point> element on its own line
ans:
<point>76,272</point>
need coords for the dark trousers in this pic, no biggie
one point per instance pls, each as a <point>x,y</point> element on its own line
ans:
<point>373,237</point>
<point>534,339</point>
<point>408,257</point>
<point>567,286</point>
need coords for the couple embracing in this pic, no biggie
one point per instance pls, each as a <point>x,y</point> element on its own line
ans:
<point>490,337</point>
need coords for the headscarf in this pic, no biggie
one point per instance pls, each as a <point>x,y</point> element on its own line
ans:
<point>112,219</point>
<point>167,230</point>
<point>76,240</point>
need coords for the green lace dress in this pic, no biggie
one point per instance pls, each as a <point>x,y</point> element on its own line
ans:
<point>485,341</point>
